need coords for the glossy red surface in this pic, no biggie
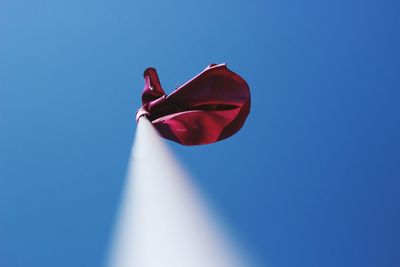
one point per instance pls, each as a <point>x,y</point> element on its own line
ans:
<point>210,107</point>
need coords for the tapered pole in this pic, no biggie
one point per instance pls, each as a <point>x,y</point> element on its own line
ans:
<point>163,220</point>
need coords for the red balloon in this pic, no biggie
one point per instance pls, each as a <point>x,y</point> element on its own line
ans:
<point>210,107</point>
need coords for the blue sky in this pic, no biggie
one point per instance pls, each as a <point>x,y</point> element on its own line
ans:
<point>312,179</point>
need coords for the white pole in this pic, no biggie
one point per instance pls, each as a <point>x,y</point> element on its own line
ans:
<point>163,221</point>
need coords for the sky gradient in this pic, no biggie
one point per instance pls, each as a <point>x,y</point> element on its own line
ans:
<point>312,179</point>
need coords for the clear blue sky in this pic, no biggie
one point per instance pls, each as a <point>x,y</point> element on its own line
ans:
<point>311,180</point>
